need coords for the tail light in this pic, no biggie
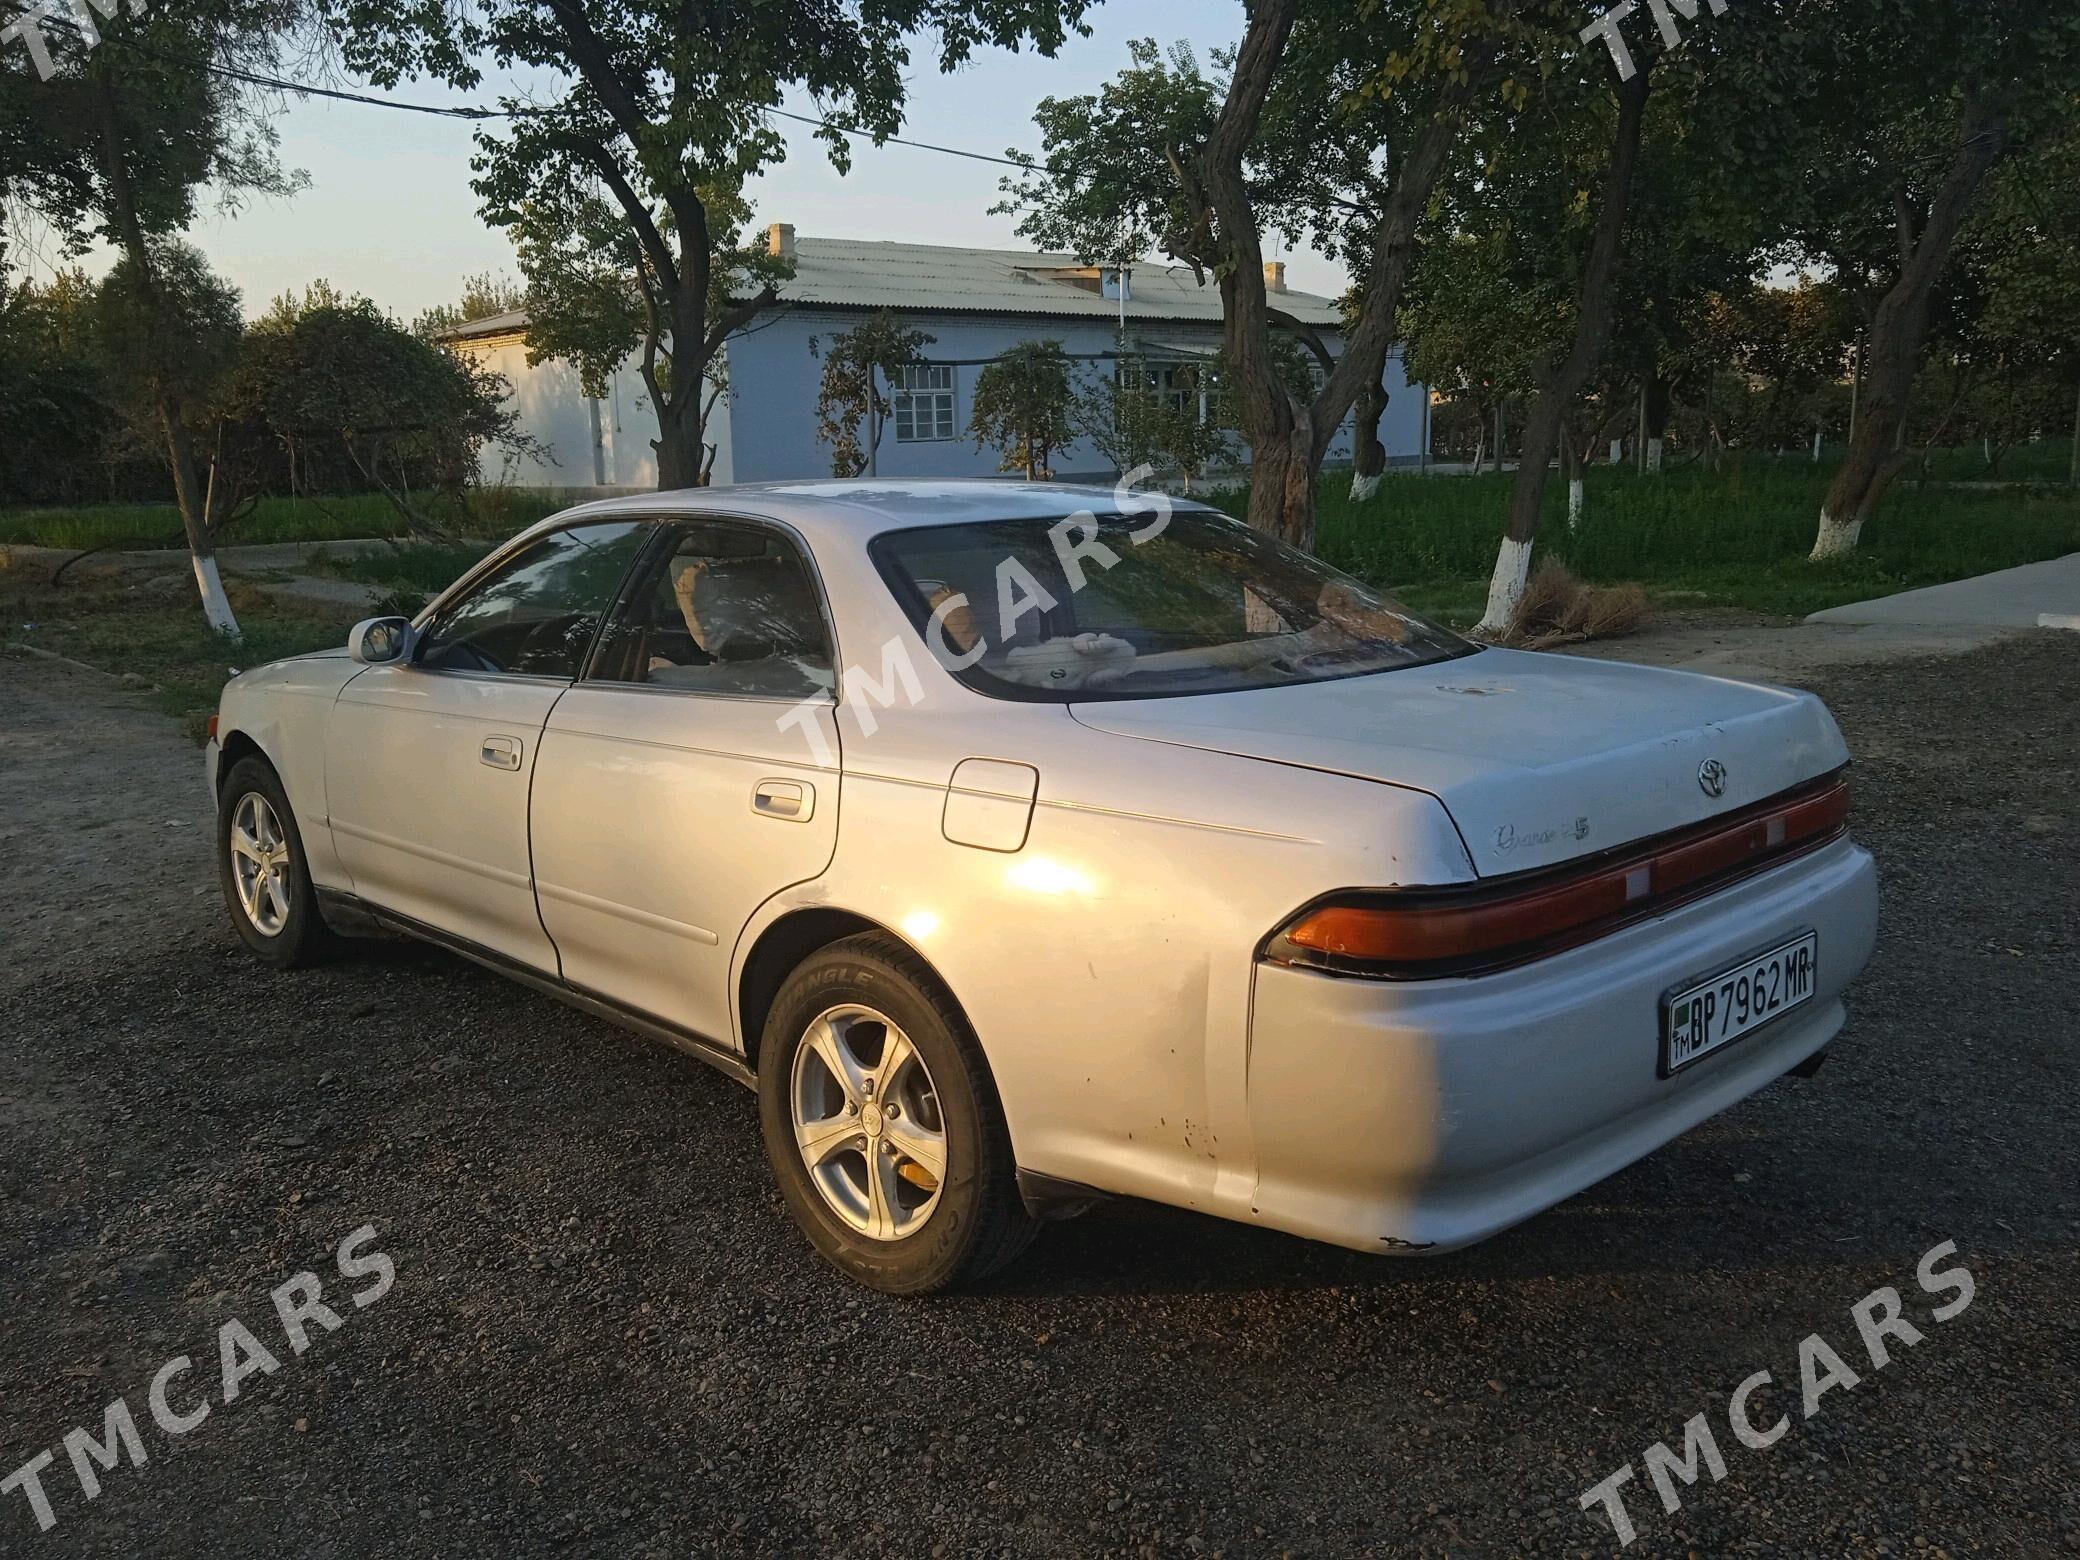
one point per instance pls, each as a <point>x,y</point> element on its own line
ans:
<point>212,728</point>
<point>1409,934</point>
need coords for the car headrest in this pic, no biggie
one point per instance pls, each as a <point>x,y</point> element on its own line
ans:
<point>745,609</point>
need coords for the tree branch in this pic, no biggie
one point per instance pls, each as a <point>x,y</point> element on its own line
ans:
<point>602,163</point>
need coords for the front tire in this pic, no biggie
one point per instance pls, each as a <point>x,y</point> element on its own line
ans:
<point>882,1123</point>
<point>261,865</point>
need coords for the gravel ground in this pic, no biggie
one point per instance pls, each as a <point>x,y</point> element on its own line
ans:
<point>604,1336</point>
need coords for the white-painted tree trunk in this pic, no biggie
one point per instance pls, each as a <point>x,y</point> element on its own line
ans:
<point>216,606</point>
<point>1363,487</point>
<point>1653,454</point>
<point>1837,538</point>
<point>1816,446</point>
<point>1506,589</point>
<point>1574,502</point>
<point>1617,451</point>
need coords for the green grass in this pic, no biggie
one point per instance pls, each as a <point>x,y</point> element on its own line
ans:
<point>2046,460</point>
<point>162,637</point>
<point>491,512</point>
<point>423,567</point>
<point>1738,537</point>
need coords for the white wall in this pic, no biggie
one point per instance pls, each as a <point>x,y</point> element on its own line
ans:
<point>554,409</point>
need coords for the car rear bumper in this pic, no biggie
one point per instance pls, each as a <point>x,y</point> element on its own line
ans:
<point>1430,1114</point>
<point>212,756</point>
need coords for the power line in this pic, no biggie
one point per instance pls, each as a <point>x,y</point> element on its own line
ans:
<point>478,113</point>
<point>896,140</point>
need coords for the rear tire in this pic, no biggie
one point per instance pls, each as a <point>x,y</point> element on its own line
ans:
<point>261,865</point>
<point>882,1123</point>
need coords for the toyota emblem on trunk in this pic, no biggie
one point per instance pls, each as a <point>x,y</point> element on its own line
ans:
<point>1711,777</point>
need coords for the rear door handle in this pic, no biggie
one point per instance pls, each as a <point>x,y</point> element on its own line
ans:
<point>501,752</point>
<point>787,799</point>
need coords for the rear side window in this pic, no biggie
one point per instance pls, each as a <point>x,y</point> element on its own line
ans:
<point>536,613</point>
<point>726,608</point>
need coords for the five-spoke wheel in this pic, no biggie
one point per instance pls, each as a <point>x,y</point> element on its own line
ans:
<point>867,1120</point>
<point>260,864</point>
<point>882,1123</point>
<point>267,885</point>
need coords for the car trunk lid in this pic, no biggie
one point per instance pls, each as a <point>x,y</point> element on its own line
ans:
<point>1538,758</point>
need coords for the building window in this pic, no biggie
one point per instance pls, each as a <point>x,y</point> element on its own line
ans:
<point>1184,388</point>
<point>923,402</point>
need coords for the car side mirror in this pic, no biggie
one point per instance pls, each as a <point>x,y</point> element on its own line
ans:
<point>376,641</point>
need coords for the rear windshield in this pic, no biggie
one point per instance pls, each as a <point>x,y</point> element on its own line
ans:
<point>1132,607</point>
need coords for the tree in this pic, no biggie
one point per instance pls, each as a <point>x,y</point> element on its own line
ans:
<point>137,114</point>
<point>1118,412</point>
<point>54,391</point>
<point>624,195</point>
<point>1022,403</point>
<point>1561,379</point>
<point>851,393</point>
<point>2027,251</point>
<point>403,412</point>
<point>170,329</point>
<point>485,294</point>
<point>1878,126</point>
<point>1333,119</point>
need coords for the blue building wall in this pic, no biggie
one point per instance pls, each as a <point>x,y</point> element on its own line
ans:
<point>774,379</point>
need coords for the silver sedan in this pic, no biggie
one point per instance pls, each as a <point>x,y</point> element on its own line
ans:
<point>1025,845</point>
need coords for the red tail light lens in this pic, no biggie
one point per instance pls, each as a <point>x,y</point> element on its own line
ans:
<point>1413,933</point>
<point>213,728</point>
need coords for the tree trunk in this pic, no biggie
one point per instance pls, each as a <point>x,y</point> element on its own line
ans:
<point>1288,438</point>
<point>1281,488</point>
<point>1657,403</point>
<point>1559,388</point>
<point>1368,455</point>
<point>180,448</point>
<point>1898,326</point>
<point>2073,480</point>
<point>679,440</point>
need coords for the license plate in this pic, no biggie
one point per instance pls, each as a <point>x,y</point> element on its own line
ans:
<point>1698,1020</point>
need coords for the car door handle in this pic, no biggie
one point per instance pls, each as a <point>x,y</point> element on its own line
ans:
<point>501,752</point>
<point>788,799</point>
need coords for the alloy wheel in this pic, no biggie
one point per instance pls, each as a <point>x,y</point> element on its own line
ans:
<point>867,1121</point>
<point>260,864</point>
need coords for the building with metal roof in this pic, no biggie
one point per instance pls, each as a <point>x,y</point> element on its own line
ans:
<point>973,303</point>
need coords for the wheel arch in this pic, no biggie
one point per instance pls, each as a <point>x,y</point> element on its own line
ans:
<point>233,747</point>
<point>779,949</point>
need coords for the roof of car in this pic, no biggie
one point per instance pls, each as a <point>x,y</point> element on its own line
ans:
<point>859,507</point>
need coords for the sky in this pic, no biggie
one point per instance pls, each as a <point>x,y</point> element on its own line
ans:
<point>389,211</point>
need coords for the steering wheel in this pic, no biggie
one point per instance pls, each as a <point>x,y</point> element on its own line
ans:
<point>551,627</point>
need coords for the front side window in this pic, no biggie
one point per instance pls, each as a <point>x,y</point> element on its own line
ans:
<point>537,612</point>
<point>727,608</point>
<point>1116,607</point>
<point>923,396</point>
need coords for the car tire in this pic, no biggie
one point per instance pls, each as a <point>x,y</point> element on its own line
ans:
<point>273,906</point>
<point>939,1100</point>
